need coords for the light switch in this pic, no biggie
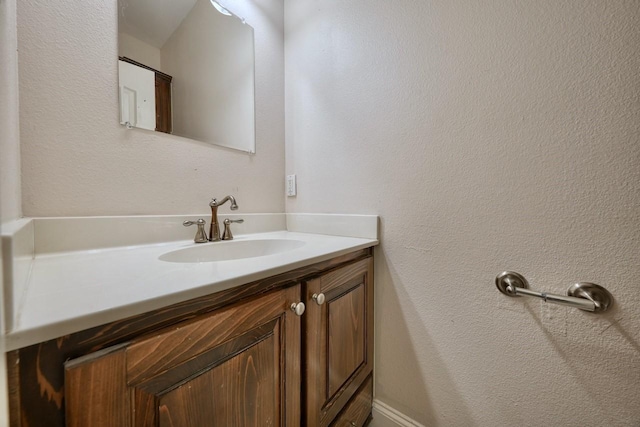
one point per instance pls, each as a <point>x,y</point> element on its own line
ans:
<point>291,185</point>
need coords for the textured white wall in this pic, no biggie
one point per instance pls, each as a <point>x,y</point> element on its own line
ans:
<point>489,136</point>
<point>11,204</point>
<point>77,159</point>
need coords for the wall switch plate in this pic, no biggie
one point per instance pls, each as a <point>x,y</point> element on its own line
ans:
<point>291,185</point>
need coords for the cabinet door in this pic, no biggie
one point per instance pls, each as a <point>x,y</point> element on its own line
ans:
<point>339,339</point>
<point>225,369</point>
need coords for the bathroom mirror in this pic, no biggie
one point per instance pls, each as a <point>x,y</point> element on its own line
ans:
<point>186,67</point>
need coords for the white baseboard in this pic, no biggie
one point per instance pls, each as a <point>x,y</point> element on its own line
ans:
<point>386,416</point>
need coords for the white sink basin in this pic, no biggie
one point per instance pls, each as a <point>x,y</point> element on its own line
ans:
<point>233,250</point>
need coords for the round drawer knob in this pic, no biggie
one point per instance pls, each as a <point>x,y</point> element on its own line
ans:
<point>298,308</point>
<point>318,298</point>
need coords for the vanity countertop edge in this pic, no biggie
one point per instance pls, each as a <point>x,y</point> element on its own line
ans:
<point>70,291</point>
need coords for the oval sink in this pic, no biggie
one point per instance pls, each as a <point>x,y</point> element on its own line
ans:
<point>229,251</point>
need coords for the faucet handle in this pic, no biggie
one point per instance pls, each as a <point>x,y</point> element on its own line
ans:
<point>227,235</point>
<point>201,235</point>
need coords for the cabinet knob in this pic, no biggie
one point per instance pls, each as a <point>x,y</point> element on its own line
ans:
<point>298,308</point>
<point>354,424</point>
<point>318,298</point>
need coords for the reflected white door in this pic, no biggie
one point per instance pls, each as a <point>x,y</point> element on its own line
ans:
<point>137,96</point>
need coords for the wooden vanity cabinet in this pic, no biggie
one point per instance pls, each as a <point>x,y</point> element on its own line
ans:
<point>239,357</point>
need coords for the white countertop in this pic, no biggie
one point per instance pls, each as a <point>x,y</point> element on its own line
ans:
<point>71,291</point>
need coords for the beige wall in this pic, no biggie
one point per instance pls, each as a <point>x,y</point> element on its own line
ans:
<point>213,84</point>
<point>489,136</point>
<point>10,205</point>
<point>144,53</point>
<point>10,194</point>
<point>77,159</point>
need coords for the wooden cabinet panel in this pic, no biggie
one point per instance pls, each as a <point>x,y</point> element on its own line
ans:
<point>339,339</point>
<point>171,347</point>
<point>358,410</point>
<point>235,383</point>
<point>97,385</point>
<point>243,390</point>
<point>347,341</point>
<point>229,368</point>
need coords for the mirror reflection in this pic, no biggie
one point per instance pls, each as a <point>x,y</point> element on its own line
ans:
<point>186,67</point>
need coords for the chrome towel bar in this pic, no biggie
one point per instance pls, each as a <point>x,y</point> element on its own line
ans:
<point>585,296</point>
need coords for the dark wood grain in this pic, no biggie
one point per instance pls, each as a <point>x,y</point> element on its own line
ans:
<point>358,411</point>
<point>242,391</point>
<point>173,346</point>
<point>97,385</point>
<point>234,366</point>
<point>346,344</point>
<point>13,383</point>
<point>338,339</point>
<point>40,385</point>
<point>206,388</point>
<point>37,384</point>
<point>165,380</point>
<point>147,394</point>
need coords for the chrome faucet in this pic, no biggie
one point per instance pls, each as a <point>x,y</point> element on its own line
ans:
<point>214,227</point>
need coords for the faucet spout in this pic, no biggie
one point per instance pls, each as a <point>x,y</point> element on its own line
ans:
<point>214,226</point>
<point>214,202</point>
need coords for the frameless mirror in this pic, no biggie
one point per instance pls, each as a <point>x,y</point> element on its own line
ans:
<point>186,67</point>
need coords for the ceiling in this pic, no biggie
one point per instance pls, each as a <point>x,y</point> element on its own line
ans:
<point>152,21</point>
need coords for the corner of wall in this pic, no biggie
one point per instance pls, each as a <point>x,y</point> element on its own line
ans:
<point>10,187</point>
<point>10,182</point>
